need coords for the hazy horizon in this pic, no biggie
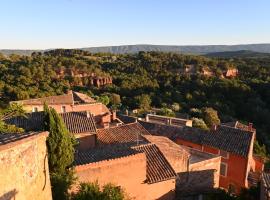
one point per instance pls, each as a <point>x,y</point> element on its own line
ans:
<point>30,24</point>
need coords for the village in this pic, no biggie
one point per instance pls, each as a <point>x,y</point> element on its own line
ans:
<point>155,157</point>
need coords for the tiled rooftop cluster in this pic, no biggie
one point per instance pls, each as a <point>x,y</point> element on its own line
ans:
<point>76,122</point>
<point>224,137</point>
<point>132,133</point>
<point>70,98</point>
<point>127,140</point>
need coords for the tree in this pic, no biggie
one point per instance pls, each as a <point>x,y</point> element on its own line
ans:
<point>115,100</point>
<point>13,110</point>
<point>199,123</point>
<point>176,107</point>
<point>144,102</point>
<point>210,116</point>
<point>88,191</point>
<point>104,99</point>
<point>60,145</point>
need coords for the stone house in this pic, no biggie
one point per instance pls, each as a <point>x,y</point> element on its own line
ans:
<point>154,161</point>
<point>70,102</point>
<point>24,172</point>
<point>234,145</point>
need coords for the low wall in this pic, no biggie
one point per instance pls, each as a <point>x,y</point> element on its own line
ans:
<point>24,172</point>
<point>128,172</point>
<point>202,177</point>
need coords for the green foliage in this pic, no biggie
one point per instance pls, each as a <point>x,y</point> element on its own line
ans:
<point>199,123</point>
<point>144,102</point>
<point>176,107</point>
<point>104,99</point>
<point>115,100</point>
<point>166,112</point>
<point>210,117</point>
<point>92,191</point>
<point>260,150</point>
<point>13,110</point>
<point>159,75</point>
<point>61,183</point>
<point>60,146</point>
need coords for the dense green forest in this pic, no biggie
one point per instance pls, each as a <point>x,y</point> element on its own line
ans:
<point>149,79</point>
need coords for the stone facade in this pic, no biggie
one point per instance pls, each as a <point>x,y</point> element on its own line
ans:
<point>202,175</point>
<point>24,172</point>
<point>128,172</point>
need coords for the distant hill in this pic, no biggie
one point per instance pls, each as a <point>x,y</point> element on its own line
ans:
<point>196,49</point>
<point>239,54</point>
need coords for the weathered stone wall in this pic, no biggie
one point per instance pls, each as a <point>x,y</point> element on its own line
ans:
<point>128,172</point>
<point>202,177</point>
<point>24,172</point>
<point>86,141</point>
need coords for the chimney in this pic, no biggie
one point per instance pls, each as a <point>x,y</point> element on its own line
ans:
<point>113,115</point>
<point>214,127</point>
<point>88,114</point>
<point>250,126</point>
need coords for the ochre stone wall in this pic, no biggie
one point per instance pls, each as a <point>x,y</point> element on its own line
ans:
<point>95,108</point>
<point>128,172</point>
<point>202,177</point>
<point>86,141</point>
<point>237,170</point>
<point>24,173</point>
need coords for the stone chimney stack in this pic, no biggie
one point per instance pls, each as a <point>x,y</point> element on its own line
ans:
<point>113,115</point>
<point>250,126</point>
<point>214,127</point>
<point>88,114</point>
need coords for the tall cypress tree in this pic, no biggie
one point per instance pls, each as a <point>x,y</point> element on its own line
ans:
<point>60,145</point>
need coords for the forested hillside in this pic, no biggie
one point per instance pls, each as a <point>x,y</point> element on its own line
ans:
<point>161,79</point>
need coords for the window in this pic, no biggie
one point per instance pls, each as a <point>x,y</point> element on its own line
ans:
<point>224,154</point>
<point>223,169</point>
<point>35,109</point>
<point>63,109</point>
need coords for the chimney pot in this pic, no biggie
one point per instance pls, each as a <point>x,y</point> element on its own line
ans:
<point>88,114</point>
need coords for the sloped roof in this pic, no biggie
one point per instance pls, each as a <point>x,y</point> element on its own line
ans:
<point>128,133</point>
<point>69,98</point>
<point>157,167</point>
<point>76,122</point>
<point>239,125</point>
<point>266,180</point>
<point>226,138</point>
<point>9,140</point>
<point>100,154</point>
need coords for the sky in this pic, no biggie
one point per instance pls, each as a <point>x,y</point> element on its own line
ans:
<point>44,24</point>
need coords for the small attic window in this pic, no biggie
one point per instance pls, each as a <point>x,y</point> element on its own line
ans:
<point>35,109</point>
<point>63,109</point>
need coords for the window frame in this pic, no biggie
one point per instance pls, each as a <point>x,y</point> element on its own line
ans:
<point>226,169</point>
<point>63,109</point>
<point>35,109</point>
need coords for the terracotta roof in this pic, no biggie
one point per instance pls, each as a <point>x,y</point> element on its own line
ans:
<point>128,133</point>
<point>100,154</point>
<point>157,167</point>
<point>226,138</point>
<point>76,122</point>
<point>82,98</point>
<point>70,98</point>
<point>79,122</point>
<point>266,179</point>
<point>9,140</point>
<point>126,119</point>
<point>239,125</point>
